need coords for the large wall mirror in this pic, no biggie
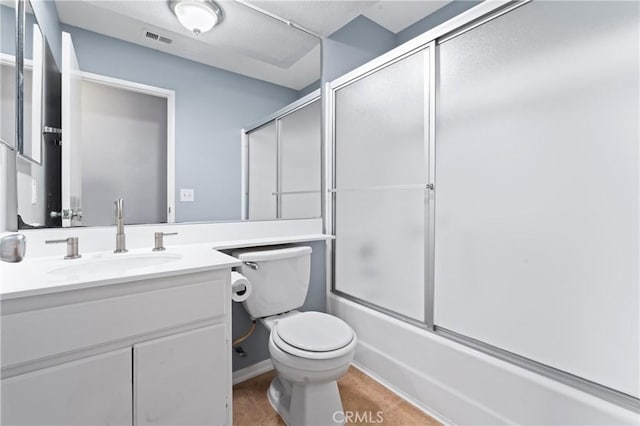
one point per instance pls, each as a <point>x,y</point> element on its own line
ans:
<point>163,115</point>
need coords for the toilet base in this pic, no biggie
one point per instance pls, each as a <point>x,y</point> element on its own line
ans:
<point>306,404</point>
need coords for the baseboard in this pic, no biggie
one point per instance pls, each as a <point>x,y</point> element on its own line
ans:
<point>252,371</point>
<point>403,395</point>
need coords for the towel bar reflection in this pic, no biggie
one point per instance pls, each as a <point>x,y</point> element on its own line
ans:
<point>384,187</point>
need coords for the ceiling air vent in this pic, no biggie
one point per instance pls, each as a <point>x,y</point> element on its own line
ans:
<point>157,37</point>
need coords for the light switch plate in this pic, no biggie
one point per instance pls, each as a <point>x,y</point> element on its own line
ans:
<point>187,195</point>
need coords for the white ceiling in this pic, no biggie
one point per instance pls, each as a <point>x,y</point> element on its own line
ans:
<point>324,17</point>
<point>246,42</point>
<point>396,15</point>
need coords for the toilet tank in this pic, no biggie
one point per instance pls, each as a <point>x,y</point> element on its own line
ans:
<point>279,278</point>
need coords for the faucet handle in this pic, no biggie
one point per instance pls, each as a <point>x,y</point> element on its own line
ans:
<point>72,247</point>
<point>13,247</point>
<point>159,240</point>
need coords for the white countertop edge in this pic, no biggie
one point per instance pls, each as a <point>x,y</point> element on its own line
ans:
<point>114,280</point>
<point>267,241</point>
<point>225,262</point>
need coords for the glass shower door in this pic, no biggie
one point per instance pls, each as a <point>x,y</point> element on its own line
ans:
<point>263,163</point>
<point>300,162</point>
<point>380,186</point>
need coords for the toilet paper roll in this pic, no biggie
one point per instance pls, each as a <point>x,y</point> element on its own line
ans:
<point>240,287</point>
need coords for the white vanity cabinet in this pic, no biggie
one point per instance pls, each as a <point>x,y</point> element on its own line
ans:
<point>180,380</point>
<point>152,351</point>
<point>89,391</point>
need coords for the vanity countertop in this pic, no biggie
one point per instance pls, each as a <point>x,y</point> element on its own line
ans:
<point>39,275</point>
<point>44,275</point>
<point>267,241</point>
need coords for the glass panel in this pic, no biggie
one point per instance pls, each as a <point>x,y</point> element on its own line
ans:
<point>381,131</point>
<point>263,151</point>
<point>537,186</point>
<point>294,206</point>
<point>300,161</point>
<point>380,248</point>
<point>32,124</point>
<point>8,103</point>
<point>380,126</point>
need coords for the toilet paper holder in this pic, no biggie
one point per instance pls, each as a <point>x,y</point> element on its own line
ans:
<point>240,287</point>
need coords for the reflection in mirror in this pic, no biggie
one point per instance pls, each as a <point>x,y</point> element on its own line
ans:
<point>28,138</point>
<point>8,99</point>
<point>155,114</point>
<point>282,172</point>
<point>32,74</point>
<point>31,146</point>
<point>8,73</point>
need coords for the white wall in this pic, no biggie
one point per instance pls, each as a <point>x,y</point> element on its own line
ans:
<point>5,175</point>
<point>31,192</point>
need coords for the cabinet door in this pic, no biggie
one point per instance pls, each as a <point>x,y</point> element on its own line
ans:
<point>182,379</point>
<point>90,391</point>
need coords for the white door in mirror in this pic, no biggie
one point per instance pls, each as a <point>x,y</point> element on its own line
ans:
<point>71,172</point>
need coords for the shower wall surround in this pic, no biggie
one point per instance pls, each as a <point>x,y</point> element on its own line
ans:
<point>501,212</point>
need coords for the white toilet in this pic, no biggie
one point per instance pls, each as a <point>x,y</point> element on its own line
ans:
<point>309,350</point>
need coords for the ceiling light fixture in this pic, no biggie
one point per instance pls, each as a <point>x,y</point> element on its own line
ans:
<point>198,16</point>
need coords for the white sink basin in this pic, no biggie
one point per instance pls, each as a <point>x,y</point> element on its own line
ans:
<point>121,262</point>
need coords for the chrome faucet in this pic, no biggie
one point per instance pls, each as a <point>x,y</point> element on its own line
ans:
<point>121,243</point>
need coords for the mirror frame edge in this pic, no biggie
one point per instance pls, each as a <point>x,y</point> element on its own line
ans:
<point>10,161</point>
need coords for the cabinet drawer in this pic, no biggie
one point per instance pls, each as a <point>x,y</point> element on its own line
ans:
<point>169,302</point>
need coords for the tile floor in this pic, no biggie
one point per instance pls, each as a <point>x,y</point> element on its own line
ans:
<point>360,394</point>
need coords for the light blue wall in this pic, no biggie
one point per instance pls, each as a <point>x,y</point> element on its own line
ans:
<point>436,18</point>
<point>8,32</point>
<point>212,105</point>
<point>47,15</point>
<point>361,40</point>
<point>257,346</point>
<point>354,44</point>
<point>310,88</point>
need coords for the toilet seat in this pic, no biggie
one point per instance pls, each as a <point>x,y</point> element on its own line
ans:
<point>313,335</point>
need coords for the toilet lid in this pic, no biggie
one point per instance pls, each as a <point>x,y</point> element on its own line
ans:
<point>315,332</point>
